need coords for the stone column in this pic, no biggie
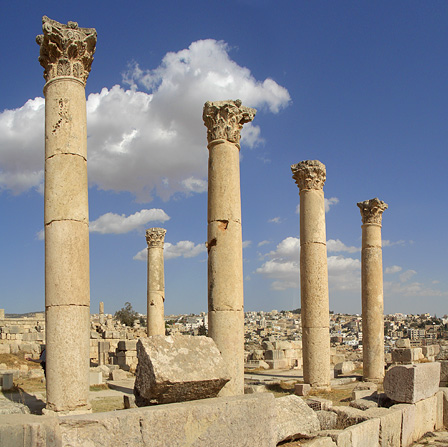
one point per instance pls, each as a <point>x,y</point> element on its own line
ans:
<point>224,121</point>
<point>310,177</point>
<point>156,282</point>
<point>102,318</point>
<point>372,290</point>
<point>2,314</point>
<point>66,53</point>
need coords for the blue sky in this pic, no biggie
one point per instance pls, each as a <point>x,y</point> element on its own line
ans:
<point>360,86</point>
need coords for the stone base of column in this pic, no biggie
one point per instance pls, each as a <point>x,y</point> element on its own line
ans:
<point>316,356</point>
<point>227,330</point>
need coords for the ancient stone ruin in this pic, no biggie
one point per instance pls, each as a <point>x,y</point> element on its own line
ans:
<point>190,390</point>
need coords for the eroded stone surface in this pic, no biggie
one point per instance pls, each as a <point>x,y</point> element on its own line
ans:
<point>295,418</point>
<point>178,368</point>
<point>411,383</point>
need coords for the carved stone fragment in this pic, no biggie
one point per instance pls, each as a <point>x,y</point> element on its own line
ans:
<point>372,210</point>
<point>225,119</point>
<point>66,50</point>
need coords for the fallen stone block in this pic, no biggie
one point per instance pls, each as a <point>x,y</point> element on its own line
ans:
<point>10,407</point>
<point>178,368</point>
<point>365,403</point>
<point>319,403</point>
<point>407,355</point>
<point>118,374</point>
<point>344,368</point>
<point>411,383</point>
<point>294,418</point>
<point>95,378</point>
<point>302,389</point>
<point>6,381</point>
<point>328,419</point>
<point>348,416</point>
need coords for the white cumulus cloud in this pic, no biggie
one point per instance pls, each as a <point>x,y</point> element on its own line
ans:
<point>392,269</point>
<point>149,142</point>
<point>118,224</point>
<point>283,267</point>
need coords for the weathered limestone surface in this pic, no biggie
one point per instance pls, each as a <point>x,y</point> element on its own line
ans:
<point>294,418</point>
<point>344,368</point>
<point>372,290</point>
<point>310,177</point>
<point>365,434</point>
<point>411,383</point>
<point>10,407</point>
<point>66,53</point>
<point>224,121</point>
<point>238,421</point>
<point>407,355</point>
<point>178,368</point>
<point>390,425</point>
<point>156,282</point>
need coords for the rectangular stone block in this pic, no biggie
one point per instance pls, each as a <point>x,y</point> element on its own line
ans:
<point>443,372</point>
<point>178,368</point>
<point>96,378</point>
<point>6,381</point>
<point>390,425</point>
<point>127,345</point>
<point>276,354</point>
<point>237,421</point>
<point>406,355</point>
<point>411,383</point>
<point>365,434</point>
<point>278,364</point>
<point>425,416</point>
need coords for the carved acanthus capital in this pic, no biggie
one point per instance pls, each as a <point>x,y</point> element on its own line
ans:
<point>309,174</point>
<point>372,210</point>
<point>155,237</point>
<point>66,50</point>
<point>225,119</point>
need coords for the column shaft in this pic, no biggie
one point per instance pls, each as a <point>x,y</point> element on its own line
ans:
<point>310,177</point>
<point>67,286</point>
<point>224,120</point>
<point>372,291</point>
<point>156,282</point>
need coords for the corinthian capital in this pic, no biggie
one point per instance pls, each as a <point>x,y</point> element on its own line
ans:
<point>66,50</point>
<point>309,174</point>
<point>155,237</point>
<point>372,210</point>
<point>225,119</point>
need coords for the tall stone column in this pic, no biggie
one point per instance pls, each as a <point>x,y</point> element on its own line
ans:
<point>310,177</point>
<point>156,282</point>
<point>372,290</point>
<point>66,53</point>
<point>224,121</point>
<point>102,318</point>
